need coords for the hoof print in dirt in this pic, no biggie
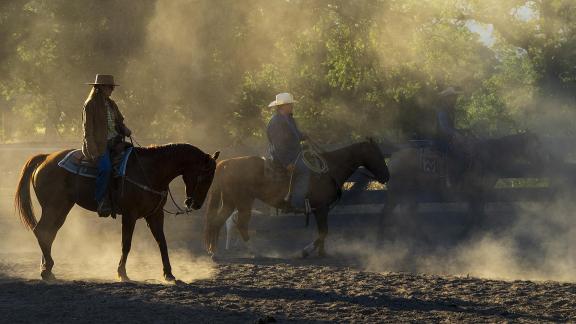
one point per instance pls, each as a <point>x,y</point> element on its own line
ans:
<point>265,319</point>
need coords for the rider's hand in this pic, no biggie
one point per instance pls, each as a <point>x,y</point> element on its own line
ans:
<point>127,131</point>
<point>290,167</point>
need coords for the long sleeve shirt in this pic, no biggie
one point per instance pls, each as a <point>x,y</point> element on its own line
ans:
<point>284,137</point>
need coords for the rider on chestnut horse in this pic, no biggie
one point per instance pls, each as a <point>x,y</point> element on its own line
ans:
<point>104,129</point>
<point>285,149</point>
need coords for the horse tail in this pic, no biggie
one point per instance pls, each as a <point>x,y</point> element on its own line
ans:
<point>211,227</point>
<point>22,200</point>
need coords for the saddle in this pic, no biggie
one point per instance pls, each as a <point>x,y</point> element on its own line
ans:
<point>432,161</point>
<point>76,163</point>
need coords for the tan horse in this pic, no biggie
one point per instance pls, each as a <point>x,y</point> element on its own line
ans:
<point>149,172</point>
<point>239,181</point>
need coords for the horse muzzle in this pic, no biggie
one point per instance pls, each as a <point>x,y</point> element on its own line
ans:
<point>188,202</point>
<point>192,204</point>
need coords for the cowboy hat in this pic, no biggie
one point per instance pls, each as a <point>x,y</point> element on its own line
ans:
<point>103,79</point>
<point>450,91</point>
<point>282,99</point>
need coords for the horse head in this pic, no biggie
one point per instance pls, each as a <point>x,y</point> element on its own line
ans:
<point>374,161</point>
<point>198,179</point>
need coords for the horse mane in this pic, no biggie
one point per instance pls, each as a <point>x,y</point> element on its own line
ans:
<point>171,148</point>
<point>344,148</point>
<point>343,153</point>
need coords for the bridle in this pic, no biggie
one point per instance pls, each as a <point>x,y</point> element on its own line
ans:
<point>206,172</point>
<point>163,194</point>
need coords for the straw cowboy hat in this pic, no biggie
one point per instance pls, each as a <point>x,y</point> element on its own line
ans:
<point>450,91</point>
<point>103,79</point>
<point>282,99</point>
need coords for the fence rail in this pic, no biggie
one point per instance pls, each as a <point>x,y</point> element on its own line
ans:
<point>559,179</point>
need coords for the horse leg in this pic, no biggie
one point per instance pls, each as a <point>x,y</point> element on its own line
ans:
<point>50,222</point>
<point>244,215</point>
<point>128,223</point>
<point>230,225</point>
<point>156,224</point>
<point>321,216</point>
<point>222,216</point>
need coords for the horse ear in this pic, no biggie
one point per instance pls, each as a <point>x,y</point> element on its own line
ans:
<point>216,155</point>
<point>370,139</point>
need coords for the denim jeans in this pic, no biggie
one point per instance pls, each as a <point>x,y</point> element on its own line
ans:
<point>104,164</point>
<point>300,184</point>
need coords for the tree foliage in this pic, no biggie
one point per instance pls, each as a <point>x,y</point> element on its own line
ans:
<point>206,70</point>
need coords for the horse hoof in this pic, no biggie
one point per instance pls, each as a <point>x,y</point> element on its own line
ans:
<point>179,282</point>
<point>47,275</point>
<point>305,254</point>
<point>169,278</point>
<point>124,278</point>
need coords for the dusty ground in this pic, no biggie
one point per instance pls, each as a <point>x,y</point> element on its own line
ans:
<point>251,290</point>
<point>430,267</point>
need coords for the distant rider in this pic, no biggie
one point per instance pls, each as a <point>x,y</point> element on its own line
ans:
<point>103,129</point>
<point>451,140</point>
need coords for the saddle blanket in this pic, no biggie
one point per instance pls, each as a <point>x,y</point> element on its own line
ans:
<point>73,162</point>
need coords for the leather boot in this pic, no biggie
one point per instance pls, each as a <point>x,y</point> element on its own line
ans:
<point>105,207</point>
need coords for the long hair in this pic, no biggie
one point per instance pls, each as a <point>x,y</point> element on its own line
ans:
<point>97,94</point>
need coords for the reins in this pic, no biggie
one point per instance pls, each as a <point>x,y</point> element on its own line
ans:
<point>314,160</point>
<point>163,194</point>
<point>318,151</point>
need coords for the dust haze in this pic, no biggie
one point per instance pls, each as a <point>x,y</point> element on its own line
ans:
<point>191,72</point>
<point>527,241</point>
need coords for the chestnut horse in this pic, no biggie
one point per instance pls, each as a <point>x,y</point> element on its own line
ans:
<point>149,172</point>
<point>239,181</point>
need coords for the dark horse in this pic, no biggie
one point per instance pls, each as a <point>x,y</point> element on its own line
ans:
<point>149,172</point>
<point>239,181</point>
<point>488,161</point>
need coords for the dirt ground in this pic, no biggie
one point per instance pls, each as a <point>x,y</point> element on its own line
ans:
<point>430,267</point>
<point>259,290</point>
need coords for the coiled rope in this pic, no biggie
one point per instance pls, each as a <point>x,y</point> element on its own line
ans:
<point>312,157</point>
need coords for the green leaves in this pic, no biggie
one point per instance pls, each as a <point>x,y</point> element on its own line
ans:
<point>357,68</point>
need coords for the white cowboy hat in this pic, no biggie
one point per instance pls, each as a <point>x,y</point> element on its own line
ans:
<point>450,91</point>
<point>282,99</point>
<point>103,79</point>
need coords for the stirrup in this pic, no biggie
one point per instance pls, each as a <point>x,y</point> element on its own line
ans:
<point>307,207</point>
<point>104,208</point>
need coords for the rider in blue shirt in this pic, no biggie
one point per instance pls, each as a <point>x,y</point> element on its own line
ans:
<point>450,139</point>
<point>445,111</point>
<point>285,147</point>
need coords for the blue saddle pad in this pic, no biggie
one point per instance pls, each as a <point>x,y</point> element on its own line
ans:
<point>73,162</point>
